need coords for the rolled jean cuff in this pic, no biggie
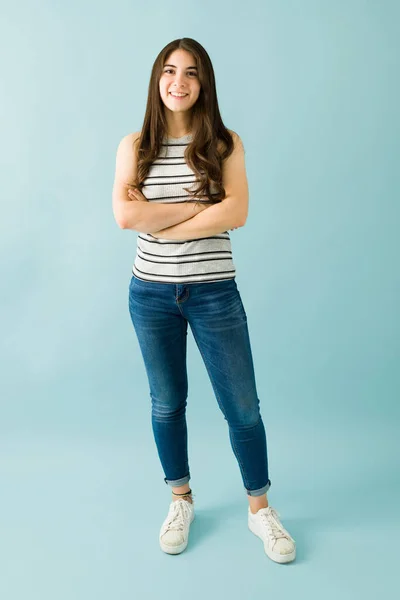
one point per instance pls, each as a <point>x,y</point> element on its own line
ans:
<point>177,482</point>
<point>260,491</point>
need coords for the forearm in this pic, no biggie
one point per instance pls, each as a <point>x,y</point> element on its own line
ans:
<point>215,219</point>
<point>153,216</point>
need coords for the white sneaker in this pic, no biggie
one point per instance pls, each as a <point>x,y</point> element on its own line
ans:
<point>174,533</point>
<point>278,544</point>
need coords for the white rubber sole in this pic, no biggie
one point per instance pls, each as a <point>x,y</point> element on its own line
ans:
<point>275,556</point>
<point>176,549</point>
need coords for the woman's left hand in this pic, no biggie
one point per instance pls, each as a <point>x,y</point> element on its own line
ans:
<point>135,194</point>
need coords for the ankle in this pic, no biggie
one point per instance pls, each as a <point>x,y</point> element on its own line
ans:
<point>257,502</point>
<point>186,494</point>
<point>188,498</point>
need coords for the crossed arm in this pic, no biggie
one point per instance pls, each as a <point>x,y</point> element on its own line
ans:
<point>230,213</point>
<point>214,219</point>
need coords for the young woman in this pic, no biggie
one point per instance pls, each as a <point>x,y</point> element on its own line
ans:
<point>181,183</point>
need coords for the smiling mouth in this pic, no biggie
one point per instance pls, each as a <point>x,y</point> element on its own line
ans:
<point>178,97</point>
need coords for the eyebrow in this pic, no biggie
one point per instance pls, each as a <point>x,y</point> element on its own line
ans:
<point>176,67</point>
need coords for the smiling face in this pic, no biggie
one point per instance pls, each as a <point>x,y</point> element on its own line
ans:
<point>179,75</point>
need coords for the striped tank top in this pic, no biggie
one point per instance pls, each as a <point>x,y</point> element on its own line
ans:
<point>194,261</point>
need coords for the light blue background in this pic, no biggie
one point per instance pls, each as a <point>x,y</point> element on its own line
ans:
<point>312,89</point>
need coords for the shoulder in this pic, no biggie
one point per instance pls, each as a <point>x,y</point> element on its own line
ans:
<point>127,147</point>
<point>129,140</point>
<point>233,134</point>
<point>134,137</point>
<point>237,142</point>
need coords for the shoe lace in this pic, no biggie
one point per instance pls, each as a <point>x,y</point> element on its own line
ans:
<point>179,511</point>
<point>275,529</point>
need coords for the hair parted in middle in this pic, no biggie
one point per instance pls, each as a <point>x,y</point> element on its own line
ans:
<point>211,141</point>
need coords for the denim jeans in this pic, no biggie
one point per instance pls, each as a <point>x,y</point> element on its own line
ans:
<point>160,313</point>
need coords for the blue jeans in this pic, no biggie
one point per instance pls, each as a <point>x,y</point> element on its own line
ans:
<point>160,313</point>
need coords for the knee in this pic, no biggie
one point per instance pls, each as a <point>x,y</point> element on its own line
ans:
<point>168,406</point>
<point>245,416</point>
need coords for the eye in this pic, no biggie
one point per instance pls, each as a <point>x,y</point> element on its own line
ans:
<point>189,72</point>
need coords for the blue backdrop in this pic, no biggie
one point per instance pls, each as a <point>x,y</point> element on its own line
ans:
<point>312,88</point>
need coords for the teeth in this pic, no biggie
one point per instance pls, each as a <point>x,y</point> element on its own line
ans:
<point>177,95</point>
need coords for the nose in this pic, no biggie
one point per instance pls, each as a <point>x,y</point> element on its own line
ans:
<point>179,80</point>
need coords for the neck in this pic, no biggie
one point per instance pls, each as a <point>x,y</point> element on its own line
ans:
<point>177,135</point>
<point>177,128</point>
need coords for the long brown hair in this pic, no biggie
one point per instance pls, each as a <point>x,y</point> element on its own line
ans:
<point>211,140</point>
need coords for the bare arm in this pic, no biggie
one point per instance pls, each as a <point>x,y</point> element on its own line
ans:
<point>150,216</point>
<point>142,216</point>
<point>230,213</point>
<point>215,219</point>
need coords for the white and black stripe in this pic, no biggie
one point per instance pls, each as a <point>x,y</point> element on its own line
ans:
<point>195,261</point>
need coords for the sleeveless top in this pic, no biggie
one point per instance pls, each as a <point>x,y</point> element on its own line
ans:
<point>194,261</point>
